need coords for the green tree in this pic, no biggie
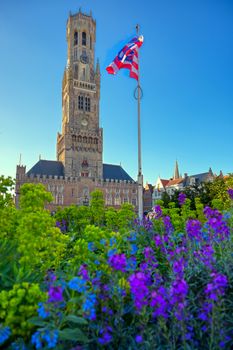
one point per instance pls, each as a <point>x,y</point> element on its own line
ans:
<point>126,215</point>
<point>34,197</point>
<point>97,207</point>
<point>6,191</point>
<point>111,219</point>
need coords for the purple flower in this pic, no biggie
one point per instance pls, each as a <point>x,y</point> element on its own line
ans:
<point>84,272</point>
<point>230,192</point>
<point>106,335</point>
<point>159,302</point>
<point>178,292</point>
<point>157,212</point>
<point>138,284</point>
<point>118,262</point>
<point>193,228</point>
<point>178,267</point>
<point>55,294</point>
<point>168,225</point>
<point>138,338</point>
<point>181,198</point>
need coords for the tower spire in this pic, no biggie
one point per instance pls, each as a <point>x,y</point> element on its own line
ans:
<point>176,171</point>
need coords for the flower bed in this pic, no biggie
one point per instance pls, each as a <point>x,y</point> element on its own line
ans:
<point>164,283</point>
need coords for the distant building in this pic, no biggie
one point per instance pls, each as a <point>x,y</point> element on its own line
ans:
<point>179,183</point>
<point>79,167</point>
<point>147,197</point>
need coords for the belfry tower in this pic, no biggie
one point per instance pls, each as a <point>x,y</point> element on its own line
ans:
<point>79,146</point>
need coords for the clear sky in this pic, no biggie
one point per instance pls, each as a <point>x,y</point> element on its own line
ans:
<point>186,65</point>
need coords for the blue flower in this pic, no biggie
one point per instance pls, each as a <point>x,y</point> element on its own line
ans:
<point>102,241</point>
<point>51,337</point>
<point>131,264</point>
<point>4,334</point>
<point>90,246</point>
<point>41,311</point>
<point>18,345</point>
<point>112,252</point>
<point>36,340</point>
<point>77,284</point>
<point>97,262</point>
<point>134,249</point>
<point>89,306</point>
<point>132,237</point>
<point>112,241</point>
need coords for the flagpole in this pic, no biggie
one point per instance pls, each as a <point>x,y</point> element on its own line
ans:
<point>140,176</point>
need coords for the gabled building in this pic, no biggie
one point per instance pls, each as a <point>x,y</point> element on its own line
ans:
<point>179,183</point>
<point>79,167</point>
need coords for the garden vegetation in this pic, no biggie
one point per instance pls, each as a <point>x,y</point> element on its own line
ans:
<point>97,278</point>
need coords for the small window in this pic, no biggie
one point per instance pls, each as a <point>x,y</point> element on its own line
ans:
<point>84,39</point>
<point>90,42</point>
<point>87,104</point>
<point>76,71</point>
<point>75,53</point>
<point>80,102</point>
<point>75,38</point>
<point>84,74</point>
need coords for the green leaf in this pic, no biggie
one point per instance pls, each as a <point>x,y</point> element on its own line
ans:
<point>76,319</point>
<point>73,334</point>
<point>37,322</point>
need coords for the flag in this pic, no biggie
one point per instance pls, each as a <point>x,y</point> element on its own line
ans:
<point>127,58</point>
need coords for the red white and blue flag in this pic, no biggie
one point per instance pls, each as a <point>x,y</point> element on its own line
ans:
<point>127,58</point>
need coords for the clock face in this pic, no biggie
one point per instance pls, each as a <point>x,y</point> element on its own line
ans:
<point>84,58</point>
<point>84,122</point>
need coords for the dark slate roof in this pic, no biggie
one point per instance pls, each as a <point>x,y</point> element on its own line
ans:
<point>47,167</point>
<point>115,172</point>
<point>203,177</point>
<point>55,168</point>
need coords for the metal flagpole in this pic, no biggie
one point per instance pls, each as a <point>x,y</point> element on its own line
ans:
<point>138,96</point>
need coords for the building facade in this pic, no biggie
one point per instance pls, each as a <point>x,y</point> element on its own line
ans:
<point>179,183</point>
<point>79,167</point>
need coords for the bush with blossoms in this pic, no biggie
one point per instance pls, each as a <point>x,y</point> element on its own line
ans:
<point>96,278</point>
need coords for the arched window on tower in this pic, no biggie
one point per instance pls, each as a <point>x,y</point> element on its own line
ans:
<point>90,42</point>
<point>76,71</point>
<point>84,38</point>
<point>87,104</point>
<point>84,74</point>
<point>75,38</point>
<point>80,102</point>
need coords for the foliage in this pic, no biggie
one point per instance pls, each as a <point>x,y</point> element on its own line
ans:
<point>6,188</point>
<point>34,197</point>
<point>18,305</point>
<point>97,207</point>
<point>106,280</point>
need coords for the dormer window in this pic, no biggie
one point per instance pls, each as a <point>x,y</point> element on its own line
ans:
<point>84,38</point>
<point>75,38</point>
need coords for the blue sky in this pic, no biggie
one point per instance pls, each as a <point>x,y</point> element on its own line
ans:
<point>186,75</point>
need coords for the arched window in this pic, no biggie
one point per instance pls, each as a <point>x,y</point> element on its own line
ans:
<point>76,71</point>
<point>80,102</point>
<point>87,104</point>
<point>90,140</point>
<point>75,38</point>
<point>84,74</point>
<point>84,38</point>
<point>90,42</point>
